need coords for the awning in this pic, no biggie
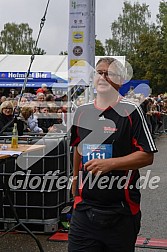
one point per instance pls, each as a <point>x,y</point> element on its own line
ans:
<point>32,84</point>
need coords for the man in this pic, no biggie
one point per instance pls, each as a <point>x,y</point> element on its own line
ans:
<point>43,89</point>
<point>111,142</point>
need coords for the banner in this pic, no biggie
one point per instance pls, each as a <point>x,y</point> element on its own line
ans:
<point>81,49</point>
<point>22,75</point>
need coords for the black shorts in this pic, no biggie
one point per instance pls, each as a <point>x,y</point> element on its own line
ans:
<point>93,231</point>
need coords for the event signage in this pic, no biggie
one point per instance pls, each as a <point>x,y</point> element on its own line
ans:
<point>81,53</point>
<point>22,75</point>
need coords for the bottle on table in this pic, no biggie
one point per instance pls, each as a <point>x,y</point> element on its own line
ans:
<point>14,142</point>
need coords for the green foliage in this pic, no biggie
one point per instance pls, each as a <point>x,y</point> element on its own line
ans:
<point>110,44</point>
<point>99,48</point>
<point>149,61</point>
<point>17,39</point>
<point>143,44</point>
<point>162,22</point>
<point>127,29</point>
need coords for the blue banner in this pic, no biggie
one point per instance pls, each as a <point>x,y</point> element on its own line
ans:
<point>33,84</point>
<point>22,75</point>
<point>7,82</point>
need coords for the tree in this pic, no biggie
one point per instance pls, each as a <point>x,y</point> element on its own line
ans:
<point>162,22</point>
<point>150,57</point>
<point>149,61</point>
<point>17,39</point>
<point>143,44</point>
<point>127,29</point>
<point>109,44</point>
<point>99,48</point>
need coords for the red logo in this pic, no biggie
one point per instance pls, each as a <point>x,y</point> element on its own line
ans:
<point>109,129</point>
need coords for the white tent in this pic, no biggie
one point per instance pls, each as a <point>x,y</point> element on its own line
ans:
<point>41,63</point>
<point>55,64</point>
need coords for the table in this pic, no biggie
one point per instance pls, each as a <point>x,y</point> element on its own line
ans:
<point>21,148</point>
<point>2,156</point>
<point>24,153</point>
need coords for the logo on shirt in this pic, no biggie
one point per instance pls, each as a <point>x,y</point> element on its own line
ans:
<point>102,118</point>
<point>109,130</point>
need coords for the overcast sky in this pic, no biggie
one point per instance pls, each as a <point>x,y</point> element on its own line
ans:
<point>54,36</point>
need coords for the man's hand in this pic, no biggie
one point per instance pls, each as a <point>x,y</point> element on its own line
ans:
<point>52,129</point>
<point>133,161</point>
<point>74,184</point>
<point>98,165</point>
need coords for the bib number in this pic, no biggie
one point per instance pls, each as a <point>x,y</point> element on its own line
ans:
<point>96,151</point>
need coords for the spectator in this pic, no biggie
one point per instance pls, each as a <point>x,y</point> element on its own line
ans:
<point>60,116</point>
<point>43,89</point>
<point>44,120</point>
<point>6,116</point>
<point>40,98</point>
<point>57,114</point>
<point>48,123</point>
<point>3,98</point>
<point>64,110</point>
<point>35,106</point>
<point>50,97</point>
<point>30,122</point>
<point>64,98</point>
<point>23,101</point>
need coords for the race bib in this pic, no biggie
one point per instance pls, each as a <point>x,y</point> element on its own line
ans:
<point>96,151</point>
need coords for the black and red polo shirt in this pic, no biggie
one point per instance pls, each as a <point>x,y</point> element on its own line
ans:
<point>124,127</point>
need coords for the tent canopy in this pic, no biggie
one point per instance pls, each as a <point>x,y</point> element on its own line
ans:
<point>29,84</point>
<point>50,64</point>
<point>56,66</point>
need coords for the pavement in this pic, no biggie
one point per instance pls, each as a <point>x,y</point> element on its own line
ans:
<point>153,205</point>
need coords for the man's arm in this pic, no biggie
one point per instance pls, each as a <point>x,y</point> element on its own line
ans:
<point>77,160</point>
<point>132,161</point>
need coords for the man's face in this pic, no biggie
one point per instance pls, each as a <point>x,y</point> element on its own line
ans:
<point>41,98</point>
<point>107,78</point>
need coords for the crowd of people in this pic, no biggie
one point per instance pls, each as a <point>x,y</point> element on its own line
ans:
<point>40,113</point>
<point>43,112</point>
<point>155,110</point>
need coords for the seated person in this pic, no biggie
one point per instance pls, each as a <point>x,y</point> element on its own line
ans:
<point>44,119</point>
<point>29,120</point>
<point>60,120</point>
<point>6,116</point>
<point>48,122</point>
<point>58,117</point>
